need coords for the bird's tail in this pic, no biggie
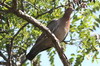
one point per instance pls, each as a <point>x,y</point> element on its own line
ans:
<point>35,50</point>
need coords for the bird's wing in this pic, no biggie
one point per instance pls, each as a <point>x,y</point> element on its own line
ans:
<point>52,26</point>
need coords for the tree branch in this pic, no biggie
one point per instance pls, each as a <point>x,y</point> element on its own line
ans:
<point>51,10</point>
<point>33,21</point>
<point>12,39</point>
<point>3,56</point>
<point>3,32</point>
<point>4,4</point>
<point>4,11</point>
<point>14,4</point>
<point>22,59</point>
<point>20,30</point>
<point>3,63</point>
<point>22,6</point>
<point>16,35</point>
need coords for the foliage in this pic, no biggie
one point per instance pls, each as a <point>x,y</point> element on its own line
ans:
<point>22,34</point>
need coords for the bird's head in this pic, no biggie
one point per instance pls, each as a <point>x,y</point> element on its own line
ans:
<point>69,10</point>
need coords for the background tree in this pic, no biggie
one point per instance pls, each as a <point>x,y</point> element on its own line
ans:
<point>16,34</point>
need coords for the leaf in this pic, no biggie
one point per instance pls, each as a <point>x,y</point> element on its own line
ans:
<point>96,24</point>
<point>8,0</point>
<point>98,20</point>
<point>73,54</point>
<point>71,60</point>
<point>1,37</point>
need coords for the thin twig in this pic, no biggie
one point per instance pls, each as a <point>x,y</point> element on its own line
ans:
<point>22,6</point>
<point>4,11</point>
<point>51,10</point>
<point>4,4</point>
<point>3,56</point>
<point>3,32</point>
<point>20,30</point>
<point>3,63</point>
<point>12,39</point>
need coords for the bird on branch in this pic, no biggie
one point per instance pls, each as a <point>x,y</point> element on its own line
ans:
<point>59,27</point>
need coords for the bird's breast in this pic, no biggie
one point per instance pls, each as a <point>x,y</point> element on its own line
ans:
<point>61,31</point>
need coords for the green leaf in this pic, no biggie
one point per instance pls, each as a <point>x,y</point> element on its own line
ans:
<point>73,54</point>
